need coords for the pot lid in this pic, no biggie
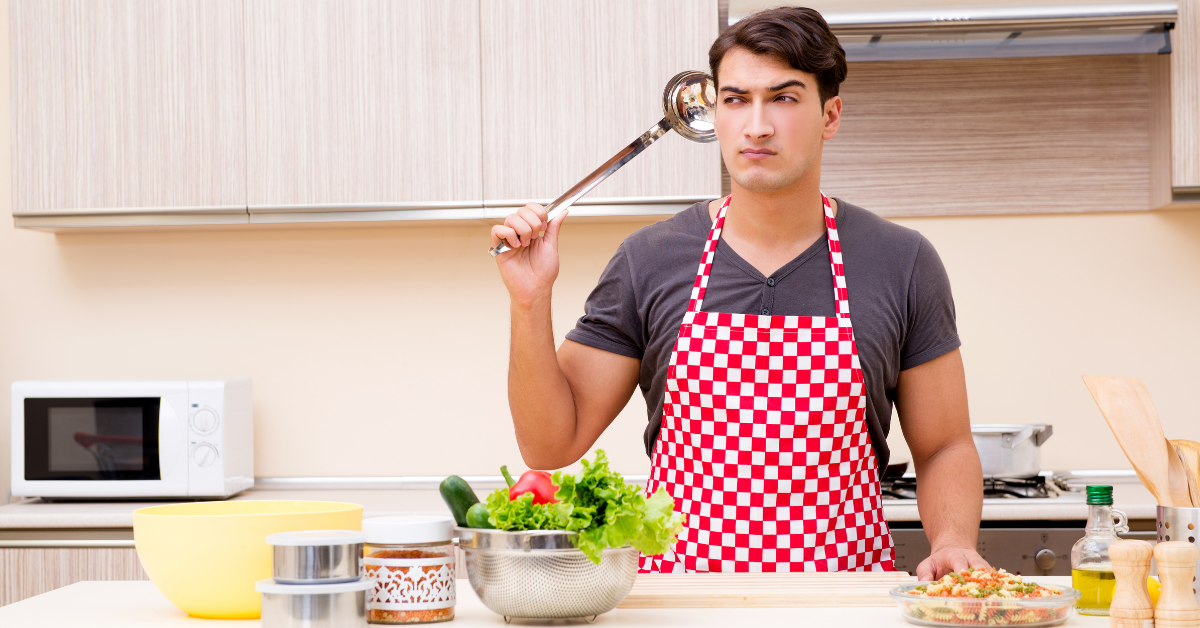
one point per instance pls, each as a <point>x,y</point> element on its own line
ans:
<point>1006,428</point>
<point>307,538</point>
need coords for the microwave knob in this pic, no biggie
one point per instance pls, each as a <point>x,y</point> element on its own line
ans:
<point>205,422</point>
<point>204,455</point>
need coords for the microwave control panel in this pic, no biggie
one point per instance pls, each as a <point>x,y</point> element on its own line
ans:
<point>206,473</point>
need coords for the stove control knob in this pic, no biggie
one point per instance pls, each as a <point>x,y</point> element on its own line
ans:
<point>1045,559</point>
<point>204,455</point>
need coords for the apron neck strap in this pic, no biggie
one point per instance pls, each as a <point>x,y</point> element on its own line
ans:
<point>840,296</point>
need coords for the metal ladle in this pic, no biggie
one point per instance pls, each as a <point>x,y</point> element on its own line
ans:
<point>688,105</point>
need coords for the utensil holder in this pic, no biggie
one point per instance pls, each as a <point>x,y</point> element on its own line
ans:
<point>1180,524</point>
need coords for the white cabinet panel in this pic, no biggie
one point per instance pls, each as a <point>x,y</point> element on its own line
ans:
<point>569,83</point>
<point>371,103</point>
<point>124,104</point>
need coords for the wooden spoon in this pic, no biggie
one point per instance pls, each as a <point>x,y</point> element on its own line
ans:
<point>1189,454</point>
<point>1126,406</point>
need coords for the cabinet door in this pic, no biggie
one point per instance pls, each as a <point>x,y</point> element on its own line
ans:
<point>363,102</point>
<point>127,105</point>
<point>570,82</point>
<point>995,136</point>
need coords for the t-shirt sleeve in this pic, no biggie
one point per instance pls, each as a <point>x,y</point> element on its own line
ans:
<point>610,318</point>
<point>932,330</point>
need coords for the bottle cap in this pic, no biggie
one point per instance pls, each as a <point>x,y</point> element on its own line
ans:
<point>1099,496</point>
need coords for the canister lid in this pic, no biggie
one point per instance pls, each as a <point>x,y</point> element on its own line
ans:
<point>408,529</point>
<point>270,586</point>
<point>307,538</point>
<point>1099,496</point>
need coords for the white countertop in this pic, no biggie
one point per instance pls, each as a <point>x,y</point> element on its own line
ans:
<point>137,604</point>
<point>1133,498</point>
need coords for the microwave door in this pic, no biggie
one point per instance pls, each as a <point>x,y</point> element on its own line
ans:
<point>173,443</point>
<point>99,447</point>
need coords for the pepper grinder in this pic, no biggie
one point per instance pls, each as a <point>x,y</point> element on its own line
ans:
<point>1177,606</point>
<point>1131,606</point>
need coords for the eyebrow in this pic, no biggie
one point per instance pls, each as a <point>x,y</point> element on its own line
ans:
<point>774,88</point>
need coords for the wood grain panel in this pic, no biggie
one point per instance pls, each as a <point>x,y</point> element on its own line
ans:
<point>25,573</point>
<point>1160,132</point>
<point>568,83</point>
<point>992,136</point>
<point>1185,98</point>
<point>363,101</point>
<point>127,104</point>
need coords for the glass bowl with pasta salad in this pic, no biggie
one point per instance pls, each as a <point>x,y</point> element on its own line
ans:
<point>984,597</point>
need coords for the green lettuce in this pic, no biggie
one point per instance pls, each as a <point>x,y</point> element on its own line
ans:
<point>599,505</point>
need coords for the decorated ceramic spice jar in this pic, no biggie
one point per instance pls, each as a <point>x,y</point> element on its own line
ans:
<point>411,560</point>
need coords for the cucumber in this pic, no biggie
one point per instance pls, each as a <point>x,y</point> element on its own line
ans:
<point>477,516</point>
<point>458,497</point>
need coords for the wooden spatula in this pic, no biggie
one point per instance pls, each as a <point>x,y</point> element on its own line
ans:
<point>1126,406</point>
<point>1189,455</point>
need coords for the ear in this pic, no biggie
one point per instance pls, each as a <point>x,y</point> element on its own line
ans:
<point>833,117</point>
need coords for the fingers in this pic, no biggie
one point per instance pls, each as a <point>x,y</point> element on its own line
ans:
<point>977,561</point>
<point>555,225</point>
<point>505,234</point>
<point>925,570</point>
<point>958,561</point>
<point>521,227</point>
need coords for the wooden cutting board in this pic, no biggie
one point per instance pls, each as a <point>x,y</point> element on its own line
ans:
<point>764,590</point>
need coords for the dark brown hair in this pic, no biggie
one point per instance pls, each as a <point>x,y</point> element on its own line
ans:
<point>797,36</point>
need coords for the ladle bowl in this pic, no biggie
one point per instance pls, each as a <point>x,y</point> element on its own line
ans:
<point>689,105</point>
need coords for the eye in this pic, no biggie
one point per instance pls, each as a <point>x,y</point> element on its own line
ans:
<point>787,98</point>
<point>729,100</point>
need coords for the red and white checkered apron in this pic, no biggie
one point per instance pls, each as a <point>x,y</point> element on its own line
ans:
<point>764,442</point>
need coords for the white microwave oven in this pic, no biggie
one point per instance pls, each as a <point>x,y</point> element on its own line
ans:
<point>132,439</point>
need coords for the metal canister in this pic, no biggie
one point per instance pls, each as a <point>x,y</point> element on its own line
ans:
<point>317,556</point>
<point>1180,524</point>
<point>338,605</point>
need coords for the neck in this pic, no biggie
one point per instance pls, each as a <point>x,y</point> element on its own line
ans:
<point>771,228</point>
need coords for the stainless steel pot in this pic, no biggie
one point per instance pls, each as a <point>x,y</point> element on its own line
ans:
<point>317,556</point>
<point>341,605</point>
<point>1011,450</point>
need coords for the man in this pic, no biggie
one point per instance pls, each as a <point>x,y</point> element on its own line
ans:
<point>769,400</point>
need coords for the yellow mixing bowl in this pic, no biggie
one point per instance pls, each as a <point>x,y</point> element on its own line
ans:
<point>206,556</point>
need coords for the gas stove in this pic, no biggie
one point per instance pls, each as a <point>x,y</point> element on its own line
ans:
<point>1032,545</point>
<point>904,486</point>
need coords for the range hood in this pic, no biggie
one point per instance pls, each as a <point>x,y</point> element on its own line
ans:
<point>970,32</point>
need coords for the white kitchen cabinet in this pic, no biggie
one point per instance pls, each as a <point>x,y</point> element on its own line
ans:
<point>128,107</point>
<point>569,83</point>
<point>367,105</point>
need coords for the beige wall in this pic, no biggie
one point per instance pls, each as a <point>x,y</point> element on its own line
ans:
<point>383,351</point>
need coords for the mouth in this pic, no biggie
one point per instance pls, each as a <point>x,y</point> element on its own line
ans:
<point>757,153</point>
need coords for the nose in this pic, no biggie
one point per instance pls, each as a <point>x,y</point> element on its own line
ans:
<point>758,127</point>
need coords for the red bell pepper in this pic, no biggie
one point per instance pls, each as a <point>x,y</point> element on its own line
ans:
<point>537,482</point>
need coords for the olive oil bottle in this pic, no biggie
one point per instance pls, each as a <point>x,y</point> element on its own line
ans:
<point>1091,568</point>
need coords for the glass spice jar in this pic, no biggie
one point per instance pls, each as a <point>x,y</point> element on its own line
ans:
<point>411,560</point>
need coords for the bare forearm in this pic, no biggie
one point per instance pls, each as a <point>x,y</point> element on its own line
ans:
<point>950,496</point>
<point>539,395</point>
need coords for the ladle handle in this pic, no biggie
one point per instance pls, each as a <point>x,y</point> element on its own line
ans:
<point>592,180</point>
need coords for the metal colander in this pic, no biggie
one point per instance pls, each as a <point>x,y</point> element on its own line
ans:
<point>539,574</point>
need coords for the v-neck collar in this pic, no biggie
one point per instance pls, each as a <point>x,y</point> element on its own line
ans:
<point>820,245</point>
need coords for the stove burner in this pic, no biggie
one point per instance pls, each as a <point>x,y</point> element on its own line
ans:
<point>1016,487</point>
<point>898,486</point>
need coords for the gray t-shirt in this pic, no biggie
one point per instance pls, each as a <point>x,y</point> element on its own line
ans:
<point>900,301</point>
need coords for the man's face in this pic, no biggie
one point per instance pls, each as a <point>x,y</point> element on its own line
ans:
<point>770,121</point>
